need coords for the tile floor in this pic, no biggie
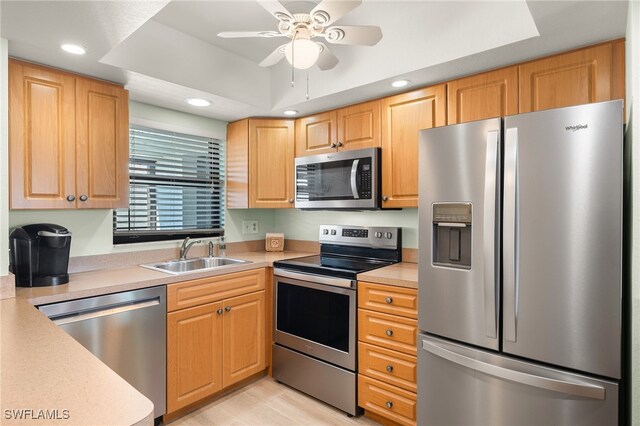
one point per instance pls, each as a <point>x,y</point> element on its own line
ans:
<point>266,403</point>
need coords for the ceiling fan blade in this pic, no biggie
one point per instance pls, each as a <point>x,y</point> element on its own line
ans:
<point>353,34</point>
<point>329,11</point>
<point>274,57</point>
<point>238,34</point>
<point>327,59</point>
<point>276,8</point>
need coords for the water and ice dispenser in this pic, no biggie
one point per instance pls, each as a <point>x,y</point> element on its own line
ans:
<point>452,235</point>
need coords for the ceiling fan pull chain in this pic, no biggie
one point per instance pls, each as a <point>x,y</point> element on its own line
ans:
<point>293,58</point>
<point>307,85</point>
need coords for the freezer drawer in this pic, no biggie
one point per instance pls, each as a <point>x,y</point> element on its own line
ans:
<point>458,385</point>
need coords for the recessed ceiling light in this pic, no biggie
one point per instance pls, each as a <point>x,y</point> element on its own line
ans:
<point>76,49</point>
<point>400,83</point>
<point>198,102</point>
<point>290,112</point>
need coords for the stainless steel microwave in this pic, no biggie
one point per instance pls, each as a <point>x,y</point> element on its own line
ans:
<point>340,180</point>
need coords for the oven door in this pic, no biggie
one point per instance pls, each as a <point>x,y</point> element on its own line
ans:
<point>348,179</point>
<point>316,319</point>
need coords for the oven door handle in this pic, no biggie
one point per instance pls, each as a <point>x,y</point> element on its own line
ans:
<point>338,282</point>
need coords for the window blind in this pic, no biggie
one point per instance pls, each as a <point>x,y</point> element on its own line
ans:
<point>176,187</point>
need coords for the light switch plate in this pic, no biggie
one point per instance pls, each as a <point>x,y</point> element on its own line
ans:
<point>249,226</point>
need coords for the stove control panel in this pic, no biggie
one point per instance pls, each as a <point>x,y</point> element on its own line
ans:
<point>363,236</point>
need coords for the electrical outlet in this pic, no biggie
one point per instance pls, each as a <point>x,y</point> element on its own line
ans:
<point>249,226</point>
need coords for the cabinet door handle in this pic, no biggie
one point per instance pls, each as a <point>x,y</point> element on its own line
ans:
<point>334,145</point>
<point>219,311</point>
<point>389,332</point>
<point>71,197</point>
<point>385,198</point>
<point>227,308</point>
<point>290,200</point>
<point>389,368</point>
<point>339,144</point>
<point>389,404</point>
<point>83,198</point>
<point>389,300</point>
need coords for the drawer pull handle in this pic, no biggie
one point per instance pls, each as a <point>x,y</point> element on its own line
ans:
<point>389,368</point>
<point>227,308</point>
<point>389,333</point>
<point>389,300</point>
<point>389,404</point>
<point>219,311</point>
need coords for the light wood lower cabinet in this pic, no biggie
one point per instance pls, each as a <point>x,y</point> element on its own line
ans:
<point>215,344</point>
<point>387,362</point>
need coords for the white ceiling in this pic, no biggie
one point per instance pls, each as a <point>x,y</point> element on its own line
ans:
<point>166,51</point>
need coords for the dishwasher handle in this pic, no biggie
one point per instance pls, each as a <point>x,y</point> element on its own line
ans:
<point>111,310</point>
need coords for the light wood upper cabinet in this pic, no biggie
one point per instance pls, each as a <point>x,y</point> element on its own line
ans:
<point>353,127</point>
<point>243,337</point>
<point>588,75</point>
<point>260,157</point>
<point>403,116</point>
<point>194,359</point>
<point>487,95</point>
<point>42,139</point>
<point>271,158</point>
<point>102,144</point>
<point>316,134</point>
<point>68,140</point>
<point>359,126</point>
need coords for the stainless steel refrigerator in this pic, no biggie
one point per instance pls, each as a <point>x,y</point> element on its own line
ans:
<point>520,269</point>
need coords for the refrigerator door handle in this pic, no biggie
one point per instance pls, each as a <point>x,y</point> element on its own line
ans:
<point>510,234</point>
<point>585,390</point>
<point>489,234</point>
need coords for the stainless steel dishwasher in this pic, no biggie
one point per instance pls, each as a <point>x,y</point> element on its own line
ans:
<point>127,331</point>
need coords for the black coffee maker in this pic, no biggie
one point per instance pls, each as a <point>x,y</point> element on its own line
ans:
<point>40,254</point>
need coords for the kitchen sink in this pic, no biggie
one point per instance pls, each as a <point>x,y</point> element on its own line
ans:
<point>193,265</point>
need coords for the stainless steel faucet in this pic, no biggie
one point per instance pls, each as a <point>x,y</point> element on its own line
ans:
<point>186,246</point>
<point>214,248</point>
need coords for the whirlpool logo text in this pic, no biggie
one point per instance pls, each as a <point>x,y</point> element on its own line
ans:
<point>576,127</point>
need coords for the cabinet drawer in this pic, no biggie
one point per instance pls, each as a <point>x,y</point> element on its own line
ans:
<point>392,367</point>
<point>389,331</point>
<point>206,290</point>
<point>387,401</point>
<point>388,299</point>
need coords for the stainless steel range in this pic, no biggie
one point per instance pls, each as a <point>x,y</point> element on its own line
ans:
<point>315,311</point>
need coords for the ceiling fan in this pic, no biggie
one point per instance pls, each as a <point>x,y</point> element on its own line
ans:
<point>302,51</point>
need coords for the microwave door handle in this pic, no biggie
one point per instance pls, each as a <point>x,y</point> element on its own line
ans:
<point>354,176</point>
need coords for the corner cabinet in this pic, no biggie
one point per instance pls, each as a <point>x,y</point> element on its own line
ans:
<point>68,140</point>
<point>403,116</point>
<point>215,335</point>
<point>353,127</point>
<point>260,161</point>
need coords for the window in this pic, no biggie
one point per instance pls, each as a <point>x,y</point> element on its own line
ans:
<point>176,187</point>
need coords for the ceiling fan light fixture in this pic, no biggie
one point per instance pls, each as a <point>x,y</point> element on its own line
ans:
<point>302,53</point>
<point>400,83</point>
<point>197,102</point>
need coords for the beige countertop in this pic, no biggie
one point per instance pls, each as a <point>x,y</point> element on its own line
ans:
<point>402,274</point>
<point>43,368</point>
